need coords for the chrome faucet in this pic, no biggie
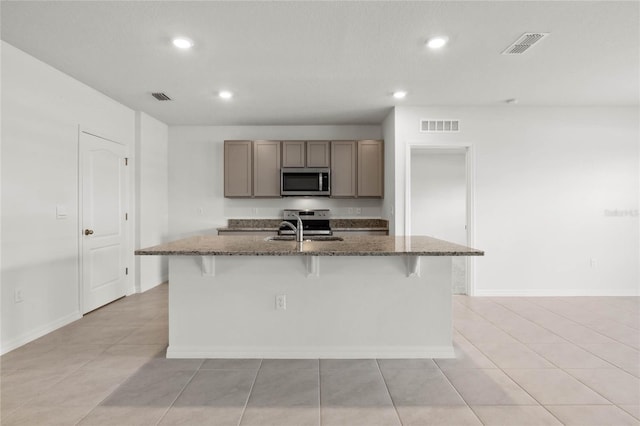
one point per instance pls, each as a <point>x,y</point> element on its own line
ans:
<point>298,230</point>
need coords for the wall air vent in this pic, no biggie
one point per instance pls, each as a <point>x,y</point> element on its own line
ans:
<point>524,43</point>
<point>161,96</point>
<point>439,125</point>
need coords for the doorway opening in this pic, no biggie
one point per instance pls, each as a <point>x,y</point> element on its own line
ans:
<point>439,201</point>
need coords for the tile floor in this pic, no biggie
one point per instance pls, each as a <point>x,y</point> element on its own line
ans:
<point>520,361</point>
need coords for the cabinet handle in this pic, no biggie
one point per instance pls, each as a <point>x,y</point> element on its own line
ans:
<point>88,231</point>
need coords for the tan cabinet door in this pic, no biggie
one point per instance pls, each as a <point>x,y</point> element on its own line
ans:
<point>343,168</point>
<point>237,169</point>
<point>318,154</point>
<point>266,168</point>
<point>293,153</point>
<point>370,168</point>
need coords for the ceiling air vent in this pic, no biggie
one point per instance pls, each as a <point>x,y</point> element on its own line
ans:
<point>161,96</point>
<point>523,44</point>
<point>439,126</point>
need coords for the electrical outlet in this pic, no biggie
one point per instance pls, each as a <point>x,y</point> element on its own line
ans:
<point>201,211</point>
<point>281,302</point>
<point>593,263</point>
<point>255,211</point>
<point>350,210</point>
<point>17,295</point>
<point>358,211</point>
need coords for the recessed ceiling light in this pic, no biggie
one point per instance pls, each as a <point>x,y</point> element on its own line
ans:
<point>225,94</point>
<point>182,43</point>
<point>437,42</point>
<point>399,94</point>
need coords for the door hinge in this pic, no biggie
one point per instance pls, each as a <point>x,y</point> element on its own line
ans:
<point>126,271</point>
<point>126,216</point>
<point>126,161</point>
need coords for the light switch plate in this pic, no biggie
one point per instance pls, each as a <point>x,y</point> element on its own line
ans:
<point>61,211</point>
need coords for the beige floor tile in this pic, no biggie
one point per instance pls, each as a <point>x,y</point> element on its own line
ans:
<point>281,416</point>
<point>78,333</point>
<point>225,389</point>
<point>126,357</point>
<point>634,410</point>
<point>523,415</point>
<point>123,415</point>
<point>528,332</point>
<point>580,334</point>
<point>410,364</point>
<point>438,416</point>
<point>617,354</point>
<point>82,388</point>
<point>467,356</point>
<point>356,397</point>
<point>200,416</point>
<point>168,364</point>
<point>61,359</point>
<point>153,387</point>
<point>613,329</point>
<point>45,416</point>
<point>23,386</point>
<point>592,415</point>
<point>289,365</point>
<point>420,388</point>
<point>553,386</point>
<point>487,387</point>
<point>230,364</point>
<point>148,335</point>
<point>568,355</point>
<point>360,416</point>
<point>287,399</point>
<point>348,364</point>
<point>614,384</point>
<point>513,355</point>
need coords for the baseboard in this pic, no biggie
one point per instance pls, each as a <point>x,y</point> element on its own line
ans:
<point>38,332</point>
<point>551,293</point>
<point>347,352</point>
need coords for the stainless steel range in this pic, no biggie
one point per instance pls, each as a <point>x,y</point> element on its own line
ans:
<point>314,222</point>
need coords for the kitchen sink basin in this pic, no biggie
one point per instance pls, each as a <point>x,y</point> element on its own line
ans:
<point>306,238</point>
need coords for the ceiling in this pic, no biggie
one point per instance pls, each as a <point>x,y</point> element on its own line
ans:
<point>326,62</point>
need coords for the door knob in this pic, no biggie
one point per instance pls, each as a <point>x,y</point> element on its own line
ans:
<point>88,231</point>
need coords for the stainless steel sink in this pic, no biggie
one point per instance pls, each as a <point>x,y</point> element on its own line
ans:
<point>306,238</point>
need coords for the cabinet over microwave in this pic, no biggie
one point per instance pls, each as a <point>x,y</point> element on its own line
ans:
<point>305,181</point>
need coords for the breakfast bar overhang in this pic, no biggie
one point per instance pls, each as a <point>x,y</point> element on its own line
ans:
<point>363,297</point>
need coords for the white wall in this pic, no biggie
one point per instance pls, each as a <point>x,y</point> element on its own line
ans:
<point>42,110</point>
<point>196,173</point>
<point>389,133</point>
<point>152,198</point>
<point>545,180</point>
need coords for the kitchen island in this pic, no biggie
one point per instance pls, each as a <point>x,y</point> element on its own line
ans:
<point>362,297</point>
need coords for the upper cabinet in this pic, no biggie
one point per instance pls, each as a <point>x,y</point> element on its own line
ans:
<point>343,169</point>
<point>293,153</point>
<point>370,168</point>
<point>305,154</point>
<point>237,169</point>
<point>266,168</point>
<point>318,154</point>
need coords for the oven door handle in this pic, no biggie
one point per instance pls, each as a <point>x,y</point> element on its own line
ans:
<point>319,181</point>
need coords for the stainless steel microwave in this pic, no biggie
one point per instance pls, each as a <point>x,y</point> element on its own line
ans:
<point>305,181</point>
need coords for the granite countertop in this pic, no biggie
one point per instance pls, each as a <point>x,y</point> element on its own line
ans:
<point>360,224</point>
<point>360,245</point>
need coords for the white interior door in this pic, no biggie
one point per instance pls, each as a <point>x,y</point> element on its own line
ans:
<point>103,193</point>
<point>439,201</point>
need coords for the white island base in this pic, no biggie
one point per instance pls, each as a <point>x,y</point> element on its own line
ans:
<point>336,307</point>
